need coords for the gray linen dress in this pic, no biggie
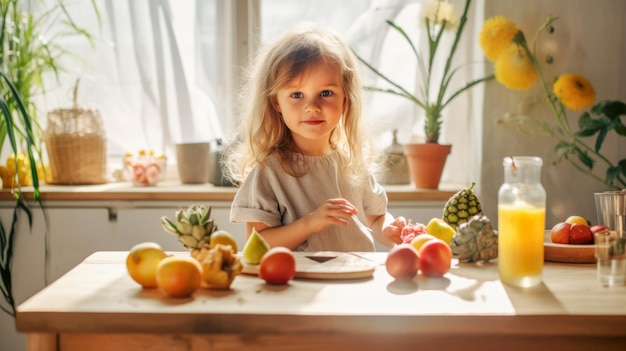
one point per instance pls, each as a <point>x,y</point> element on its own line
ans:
<point>272,196</point>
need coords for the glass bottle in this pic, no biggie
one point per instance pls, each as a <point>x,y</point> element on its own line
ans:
<point>521,222</point>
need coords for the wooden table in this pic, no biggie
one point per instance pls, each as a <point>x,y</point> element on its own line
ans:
<point>96,306</point>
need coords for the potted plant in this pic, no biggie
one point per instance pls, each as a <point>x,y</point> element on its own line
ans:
<point>433,96</point>
<point>517,67</point>
<point>27,54</point>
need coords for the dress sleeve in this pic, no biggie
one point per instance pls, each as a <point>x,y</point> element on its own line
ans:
<point>374,198</point>
<point>255,201</point>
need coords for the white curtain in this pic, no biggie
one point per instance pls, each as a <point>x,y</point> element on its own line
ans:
<point>147,73</point>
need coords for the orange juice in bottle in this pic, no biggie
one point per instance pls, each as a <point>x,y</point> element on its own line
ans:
<point>520,244</point>
<point>521,222</point>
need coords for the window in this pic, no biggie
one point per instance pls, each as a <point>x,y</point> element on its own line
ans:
<point>164,72</point>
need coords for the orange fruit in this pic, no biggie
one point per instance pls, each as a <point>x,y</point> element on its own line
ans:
<point>179,276</point>
<point>576,220</point>
<point>142,262</point>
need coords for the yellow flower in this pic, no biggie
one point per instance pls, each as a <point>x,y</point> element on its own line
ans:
<point>514,69</point>
<point>574,91</point>
<point>496,36</point>
<point>438,11</point>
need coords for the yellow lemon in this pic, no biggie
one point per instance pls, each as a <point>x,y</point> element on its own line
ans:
<point>576,220</point>
<point>438,228</point>
<point>420,240</point>
<point>223,237</point>
<point>142,262</point>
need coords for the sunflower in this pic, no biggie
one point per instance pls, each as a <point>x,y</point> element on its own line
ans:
<point>514,69</point>
<point>574,91</point>
<point>496,36</point>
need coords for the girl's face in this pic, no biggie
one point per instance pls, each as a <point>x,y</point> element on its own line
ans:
<point>312,104</point>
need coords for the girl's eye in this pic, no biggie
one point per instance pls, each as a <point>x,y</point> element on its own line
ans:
<point>296,95</point>
<point>326,93</point>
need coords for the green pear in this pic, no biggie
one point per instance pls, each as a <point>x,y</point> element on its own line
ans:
<point>254,248</point>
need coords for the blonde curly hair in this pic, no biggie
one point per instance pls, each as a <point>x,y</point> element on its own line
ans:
<point>263,131</point>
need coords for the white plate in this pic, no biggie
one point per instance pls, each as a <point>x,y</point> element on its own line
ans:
<point>326,265</point>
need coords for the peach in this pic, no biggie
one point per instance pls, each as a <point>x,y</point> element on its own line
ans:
<point>580,234</point>
<point>402,261</point>
<point>435,258</point>
<point>559,234</point>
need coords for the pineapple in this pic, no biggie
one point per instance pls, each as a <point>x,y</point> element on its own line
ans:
<point>461,207</point>
<point>475,241</point>
<point>193,226</point>
<point>220,266</point>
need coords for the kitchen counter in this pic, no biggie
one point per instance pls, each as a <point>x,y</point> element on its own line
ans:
<point>96,306</point>
<point>174,190</point>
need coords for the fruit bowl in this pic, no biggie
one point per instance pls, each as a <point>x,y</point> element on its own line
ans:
<point>567,253</point>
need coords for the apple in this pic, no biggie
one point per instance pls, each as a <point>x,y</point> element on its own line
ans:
<point>580,234</point>
<point>402,261</point>
<point>435,258</point>
<point>438,228</point>
<point>559,234</point>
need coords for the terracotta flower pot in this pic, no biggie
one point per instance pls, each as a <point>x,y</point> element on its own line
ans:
<point>426,162</point>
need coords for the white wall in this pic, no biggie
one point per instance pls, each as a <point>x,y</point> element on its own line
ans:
<point>589,39</point>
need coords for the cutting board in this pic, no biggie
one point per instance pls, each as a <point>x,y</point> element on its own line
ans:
<point>327,265</point>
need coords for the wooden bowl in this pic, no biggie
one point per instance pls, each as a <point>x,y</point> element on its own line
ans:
<point>567,253</point>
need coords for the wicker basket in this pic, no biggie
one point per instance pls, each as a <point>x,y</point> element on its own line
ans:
<point>76,147</point>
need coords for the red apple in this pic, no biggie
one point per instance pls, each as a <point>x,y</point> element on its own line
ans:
<point>435,258</point>
<point>580,234</point>
<point>560,233</point>
<point>402,261</point>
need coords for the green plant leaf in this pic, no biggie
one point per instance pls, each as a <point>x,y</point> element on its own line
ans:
<point>611,175</point>
<point>622,167</point>
<point>619,127</point>
<point>589,126</point>
<point>600,139</point>
<point>584,158</point>
<point>561,151</point>
<point>609,108</point>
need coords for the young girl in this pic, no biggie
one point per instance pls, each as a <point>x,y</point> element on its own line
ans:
<point>303,159</point>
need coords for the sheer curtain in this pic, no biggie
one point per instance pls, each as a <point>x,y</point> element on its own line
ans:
<point>150,72</point>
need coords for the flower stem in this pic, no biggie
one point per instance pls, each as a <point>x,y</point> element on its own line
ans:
<point>558,109</point>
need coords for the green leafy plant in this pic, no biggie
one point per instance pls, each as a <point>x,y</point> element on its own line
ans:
<point>27,54</point>
<point>517,62</point>
<point>432,97</point>
<point>603,118</point>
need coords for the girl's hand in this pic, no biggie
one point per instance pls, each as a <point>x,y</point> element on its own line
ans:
<point>331,212</point>
<point>393,230</point>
